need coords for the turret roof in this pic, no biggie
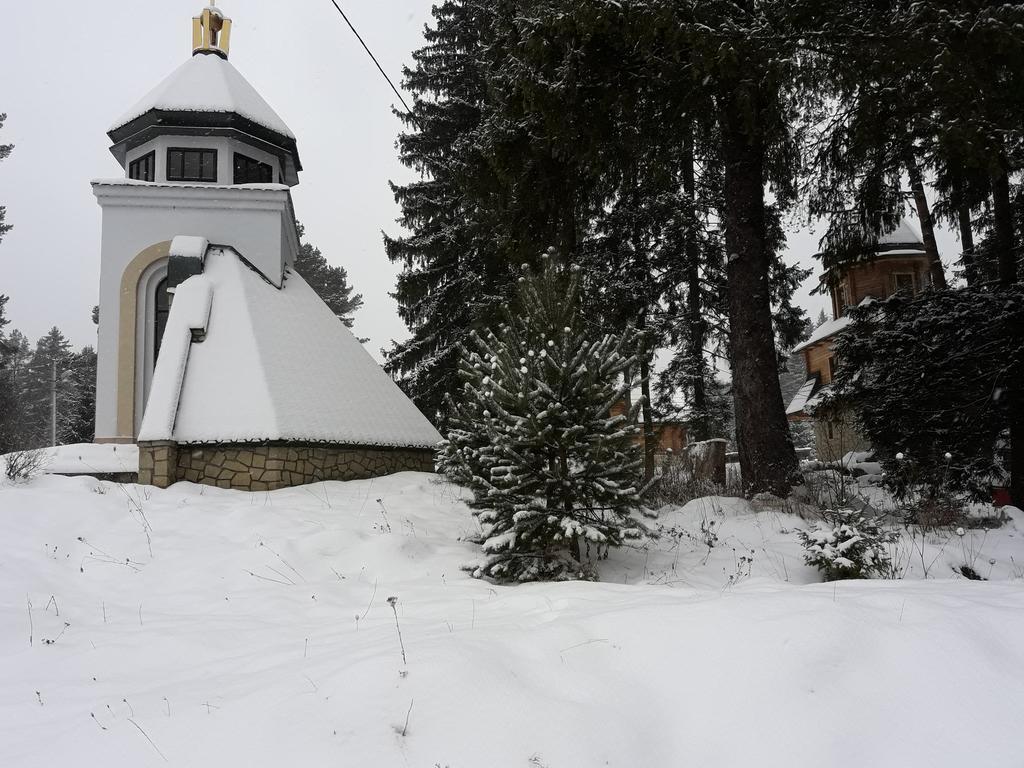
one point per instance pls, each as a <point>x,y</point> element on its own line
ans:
<point>207,83</point>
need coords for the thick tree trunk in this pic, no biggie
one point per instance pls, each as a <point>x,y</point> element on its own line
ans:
<point>695,325</point>
<point>963,214</point>
<point>1003,230</point>
<point>924,216</point>
<point>767,459</point>
<point>650,439</point>
<point>963,217</point>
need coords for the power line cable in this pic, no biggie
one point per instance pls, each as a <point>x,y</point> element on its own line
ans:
<point>367,49</point>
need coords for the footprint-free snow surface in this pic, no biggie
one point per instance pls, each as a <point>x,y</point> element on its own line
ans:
<point>317,626</point>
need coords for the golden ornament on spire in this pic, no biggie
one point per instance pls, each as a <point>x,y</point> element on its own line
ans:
<point>211,32</point>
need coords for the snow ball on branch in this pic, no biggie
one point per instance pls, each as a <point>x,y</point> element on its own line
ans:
<point>522,360</point>
<point>523,369</point>
<point>551,343</point>
<point>899,456</point>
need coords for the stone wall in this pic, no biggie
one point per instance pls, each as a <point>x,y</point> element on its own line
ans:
<point>836,436</point>
<point>266,467</point>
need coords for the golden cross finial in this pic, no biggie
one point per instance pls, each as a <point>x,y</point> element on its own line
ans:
<point>211,32</point>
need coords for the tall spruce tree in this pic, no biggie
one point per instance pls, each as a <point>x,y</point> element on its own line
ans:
<point>738,60</point>
<point>15,354</point>
<point>453,274</point>
<point>556,478</point>
<point>8,399</point>
<point>47,377</point>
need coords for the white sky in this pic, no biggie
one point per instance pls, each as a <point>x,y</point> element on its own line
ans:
<point>70,68</point>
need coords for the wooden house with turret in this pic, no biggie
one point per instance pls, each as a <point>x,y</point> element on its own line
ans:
<point>898,262</point>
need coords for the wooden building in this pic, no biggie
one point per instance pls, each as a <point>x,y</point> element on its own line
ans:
<point>899,263</point>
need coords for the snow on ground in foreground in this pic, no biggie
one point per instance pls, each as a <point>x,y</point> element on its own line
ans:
<point>229,637</point>
<point>88,458</point>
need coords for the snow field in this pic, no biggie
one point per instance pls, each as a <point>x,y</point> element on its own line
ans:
<point>214,628</point>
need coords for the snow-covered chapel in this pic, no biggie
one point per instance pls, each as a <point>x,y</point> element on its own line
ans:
<point>215,356</point>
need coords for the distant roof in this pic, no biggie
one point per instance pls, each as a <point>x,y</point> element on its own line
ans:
<point>823,331</point>
<point>273,364</point>
<point>904,234</point>
<point>802,396</point>
<point>207,83</point>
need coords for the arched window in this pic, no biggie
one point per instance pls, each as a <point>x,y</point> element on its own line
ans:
<point>162,305</point>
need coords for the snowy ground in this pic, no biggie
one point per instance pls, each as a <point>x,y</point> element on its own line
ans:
<point>201,627</point>
<point>88,458</point>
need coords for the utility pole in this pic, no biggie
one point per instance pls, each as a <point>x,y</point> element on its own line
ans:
<point>53,403</point>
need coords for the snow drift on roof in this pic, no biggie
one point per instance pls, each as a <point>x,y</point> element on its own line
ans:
<point>207,83</point>
<point>823,331</point>
<point>276,364</point>
<point>904,234</point>
<point>802,396</point>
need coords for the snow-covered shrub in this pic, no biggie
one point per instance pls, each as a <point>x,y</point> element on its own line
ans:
<point>847,545</point>
<point>23,465</point>
<point>555,476</point>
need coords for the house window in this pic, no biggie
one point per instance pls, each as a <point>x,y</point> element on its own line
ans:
<point>162,305</point>
<point>192,165</point>
<point>143,168</point>
<point>903,281</point>
<point>833,366</point>
<point>249,171</point>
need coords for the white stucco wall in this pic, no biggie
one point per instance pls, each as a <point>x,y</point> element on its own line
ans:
<point>226,149</point>
<point>256,220</point>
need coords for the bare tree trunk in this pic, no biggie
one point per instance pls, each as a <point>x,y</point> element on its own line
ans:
<point>767,459</point>
<point>924,216</point>
<point>650,441</point>
<point>963,214</point>
<point>1003,230</point>
<point>696,327</point>
<point>963,217</point>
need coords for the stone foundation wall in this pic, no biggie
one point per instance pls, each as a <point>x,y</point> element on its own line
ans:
<point>835,437</point>
<point>268,467</point>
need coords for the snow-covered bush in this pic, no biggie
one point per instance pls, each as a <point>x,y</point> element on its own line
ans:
<point>23,465</point>
<point>555,476</point>
<point>847,545</point>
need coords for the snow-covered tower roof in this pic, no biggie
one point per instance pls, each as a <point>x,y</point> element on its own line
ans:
<point>207,96</point>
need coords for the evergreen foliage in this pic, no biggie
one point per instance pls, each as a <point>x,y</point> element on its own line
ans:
<point>848,545</point>
<point>937,377</point>
<point>26,382</point>
<point>583,126</point>
<point>330,282</point>
<point>453,275</point>
<point>555,475</point>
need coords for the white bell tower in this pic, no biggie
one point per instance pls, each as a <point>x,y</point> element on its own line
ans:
<point>204,155</point>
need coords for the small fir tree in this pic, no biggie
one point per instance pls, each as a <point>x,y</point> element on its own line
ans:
<point>554,473</point>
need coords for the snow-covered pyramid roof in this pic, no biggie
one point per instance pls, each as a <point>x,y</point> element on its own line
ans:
<point>274,364</point>
<point>207,83</point>
<point>905,239</point>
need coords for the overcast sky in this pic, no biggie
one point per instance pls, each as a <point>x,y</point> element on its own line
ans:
<point>70,68</point>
